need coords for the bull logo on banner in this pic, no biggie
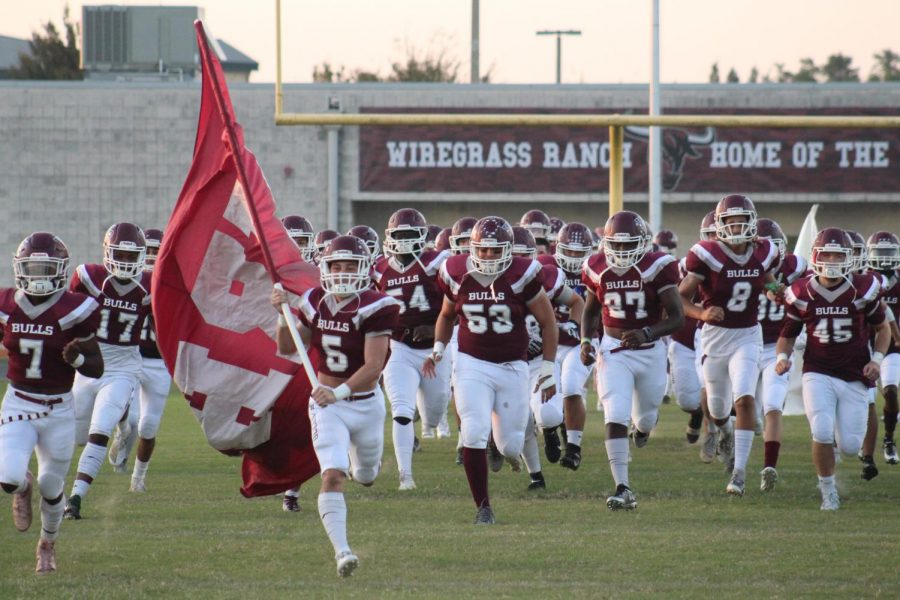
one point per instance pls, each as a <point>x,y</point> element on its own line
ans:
<point>677,145</point>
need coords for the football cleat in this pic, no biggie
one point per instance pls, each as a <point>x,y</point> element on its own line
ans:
<point>869,470</point>
<point>708,448</point>
<point>890,452</point>
<point>725,443</point>
<point>290,504</point>
<point>22,513</point>
<point>406,481</point>
<point>537,483</point>
<point>830,501</point>
<point>137,485</point>
<point>572,457</point>
<point>443,428</point>
<point>46,557</point>
<point>416,445</point>
<point>485,516</point>
<point>622,500</point>
<point>640,438</point>
<point>459,455</point>
<point>118,447</point>
<point>495,458</point>
<point>552,445</point>
<point>428,433</point>
<point>73,508</point>
<point>514,464</point>
<point>768,477</point>
<point>347,562</point>
<point>735,487</point>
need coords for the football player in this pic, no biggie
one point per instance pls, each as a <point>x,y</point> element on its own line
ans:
<point>729,274</point>
<point>667,241</point>
<point>539,224</point>
<point>302,232</point>
<point>491,292</point>
<point>370,237</point>
<point>350,324</point>
<point>122,288</point>
<point>408,272</point>
<point>431,238</point>
<point>836,307</point>
<point>772,388</point>
<point>631,286</point>
<point>48,333</point>
<point>321,242</point>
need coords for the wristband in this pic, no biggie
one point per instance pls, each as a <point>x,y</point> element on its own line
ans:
<point>782,356</point>
<point>342,391</point>
<point>648,333</point>
<point>438,348</point>
<point>548,368</point>
<point>587,340</point>
<point>79,360</point>
<point>282,322</point>
<point>877,357</point>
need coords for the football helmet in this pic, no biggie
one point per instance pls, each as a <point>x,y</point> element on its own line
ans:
<point>771,230</point>
<point>442,241</point>
<point>538,223</point>
<point>491,232</point>
<point>860,253</point>
<point>883,250</point>
<point>708,226</point>
<point>124,248</point>
<point>369,236</point>
<point>523,243</point>
<point>345,282</point>
<point>667,241</point>
<point>736,205</point>
<point>41,264</point>
<point>573,246</point>
<point>460,234</point>
<point>302,232</point>
<point>831,241</point>
<point>556,224</point>
<point>322,239</point>
<point>153,237</point>
<point>431,237</point>
<point>625,239</point>
<point>406,232</point>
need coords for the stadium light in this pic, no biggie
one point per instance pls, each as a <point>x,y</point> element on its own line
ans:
<point>559,33</point>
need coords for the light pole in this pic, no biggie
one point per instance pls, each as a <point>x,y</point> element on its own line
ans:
<point>475,76</point>
<point>559,33</point>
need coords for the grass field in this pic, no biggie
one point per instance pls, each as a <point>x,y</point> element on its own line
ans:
<point>193,535</point>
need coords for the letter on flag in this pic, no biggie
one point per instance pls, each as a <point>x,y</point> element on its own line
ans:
<point>223,249</point>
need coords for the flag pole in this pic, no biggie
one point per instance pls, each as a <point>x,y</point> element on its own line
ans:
<point>298,341</point>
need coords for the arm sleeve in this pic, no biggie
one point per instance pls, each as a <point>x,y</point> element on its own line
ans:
<point>793,323</point>
<point>668,277</point>
<point>384,320</point>
<point>86,328</point>
<point>693,264</point>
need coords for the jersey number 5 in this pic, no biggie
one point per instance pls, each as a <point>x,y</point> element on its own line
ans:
<point>498,317</point>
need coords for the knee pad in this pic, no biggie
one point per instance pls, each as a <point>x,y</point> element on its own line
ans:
<point>403,420</point>
<point>849,447</point>
<point>822,430</point>
<point>148,427</point>
<point>688,403</point>
<point>50,485</point>
<point>365,475</point>
<point>550,415</point>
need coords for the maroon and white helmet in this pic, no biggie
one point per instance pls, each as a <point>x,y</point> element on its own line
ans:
<point>736,205</point>
<point>460,234</point>
<point>301,231</point>
<point>625,239</point>
<point>322,240</point>
<point>667,241</point>
<point>523,242</point>
<point>339,280</point>
<point>153,238</point>
<point>124,248</point>
<point>41,264</point>
<point>883,251</point>
<point>538,223</point>
<point>574,245</point>
<point>771,230</point>
<point>491,232</point>
<point>832,253</point>
<point>556,224</point>
<point>406,232</point>
<point>708,226</point>
<point>442,241</point>
<point>860,252</point>
<point>431,237</point>
<point>369,236</point>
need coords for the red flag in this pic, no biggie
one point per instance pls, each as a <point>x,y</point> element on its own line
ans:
<point>223,249</point>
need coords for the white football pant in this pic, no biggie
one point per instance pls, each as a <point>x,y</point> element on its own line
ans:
<point>837,410</point>
<point>730,365</point>
<point>686,384</point>
<point>100,403</point>
<point>772,388</point>
<point>631,383</point>
<point>403,381</point>
<point>574,375</point>
<point>155,382</point>
<point>547,414</point>
<point>890,370</point>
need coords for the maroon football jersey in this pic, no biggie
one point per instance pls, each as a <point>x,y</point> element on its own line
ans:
<point>339,329</point>
<point>732,282</point>
<point>492,310</point>
<point>837,322</point>
<point>630,298</point>
<point>685,335</point>
<point>34,336</point>
<point>415,287</point>
<point>122,305</point>
<point>890,293</point>
<point>147,337</point>
<point>553,282</point>
<point>771,314</point>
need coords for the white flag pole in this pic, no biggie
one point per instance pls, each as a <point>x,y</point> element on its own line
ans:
<point>807,235</point>
<point>298,342</point>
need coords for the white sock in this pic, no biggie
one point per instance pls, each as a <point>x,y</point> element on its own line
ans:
<point>333,512</point>
<point>826,484</point>
<point>51,517</point>
<point>404,436</point>
<point>574,437</point>
<point>140,469</point>
<point>743,442</point>
<point>617,451</point>
<point>293,493</point>
<point>80,488</point>
<point>89,464</point>
<point>530,453</point>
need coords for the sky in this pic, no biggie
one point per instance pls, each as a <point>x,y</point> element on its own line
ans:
<point>614,46</point>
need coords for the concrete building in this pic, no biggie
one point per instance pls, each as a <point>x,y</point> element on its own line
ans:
<point>10,48</point>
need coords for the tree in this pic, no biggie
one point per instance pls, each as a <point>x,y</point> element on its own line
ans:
<point>885,68</point>
<point>838,68</point>
<point>714,73</point>
<point>808,71</point>
<point>433,68</point>
<point>754,75</point>
<point>49,57</point>
<point>325,74</point>
<point>732,77</point>
<point>782,76</point>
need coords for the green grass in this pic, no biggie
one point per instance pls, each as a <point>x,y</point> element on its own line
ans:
<point>193,535</point>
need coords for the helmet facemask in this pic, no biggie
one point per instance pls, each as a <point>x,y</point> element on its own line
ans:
<point>344,282</point>
<point>883,256</point>
<point>832,269</point>
<point>568,262</point>
<point>624,258</point>
<point>746,229</point>
<point>490,266</point>
<point>40,274</point>
<point>405,240</point>
<point>124,260</point>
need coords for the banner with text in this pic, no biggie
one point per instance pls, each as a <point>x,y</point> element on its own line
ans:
<point>570,160</point>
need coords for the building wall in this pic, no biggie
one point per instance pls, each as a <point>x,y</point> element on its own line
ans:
<point>76,157</point>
